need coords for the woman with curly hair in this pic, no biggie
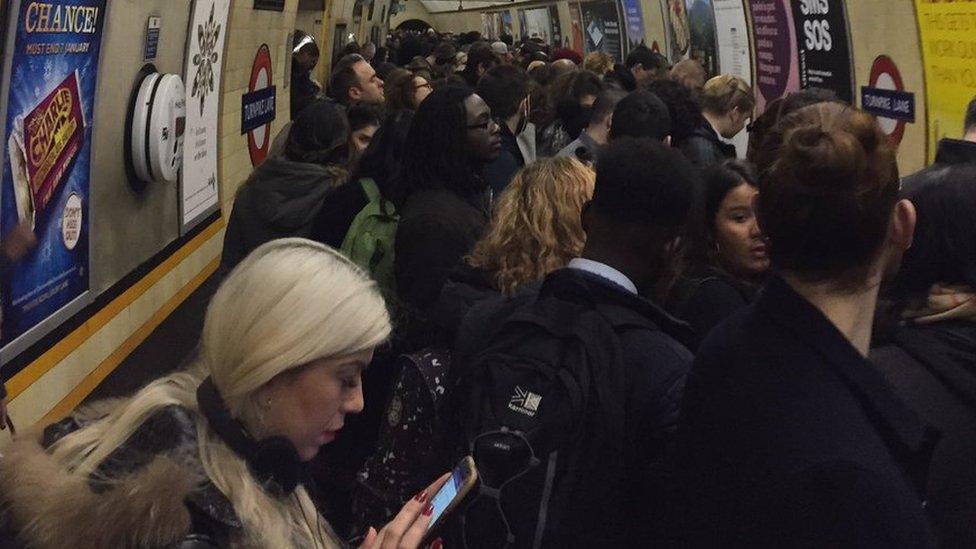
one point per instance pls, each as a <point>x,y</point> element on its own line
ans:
<point>536,227</point>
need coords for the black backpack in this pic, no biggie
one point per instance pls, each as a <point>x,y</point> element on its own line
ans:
<point>408,453</point>
<point>542,408</point>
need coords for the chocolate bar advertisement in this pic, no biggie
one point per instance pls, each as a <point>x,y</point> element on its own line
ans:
<point>46,171</point>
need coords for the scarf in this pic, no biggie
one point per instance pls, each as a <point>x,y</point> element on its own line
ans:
<point>943,303</point>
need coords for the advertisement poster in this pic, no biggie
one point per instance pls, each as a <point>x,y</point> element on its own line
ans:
<point>46,175</point>
<point>536,23</point>
<point>489,25</point>
<point>677,29</point>
<point>635,23</point>
<point>732,35</point>
<point>204,59</point>
<point>507,23</point>
<point>824,52</point>
<point>701,24</point>
<point>576,30</point>
<point>601,29</point>
<point>947,33</point>
<point>557,32</point>
<point>775,50</point>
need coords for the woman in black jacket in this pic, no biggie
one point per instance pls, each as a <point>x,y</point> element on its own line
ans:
<point>789,437</point>
<point>727,105</point>
<point>725,258</point>
<point>283,195</point>
<point>929,354</point>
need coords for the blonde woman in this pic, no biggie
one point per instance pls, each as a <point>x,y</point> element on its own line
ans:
<point>536,227</point>
<point>598,62</point>
<point>213,457</point>
<point>727,106</point>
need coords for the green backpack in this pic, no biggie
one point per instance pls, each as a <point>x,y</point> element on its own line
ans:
<point>369,241</point>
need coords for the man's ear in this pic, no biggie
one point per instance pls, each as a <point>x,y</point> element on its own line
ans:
<point>667,141</point>
<point>901,233</point>
<point>355,93</point>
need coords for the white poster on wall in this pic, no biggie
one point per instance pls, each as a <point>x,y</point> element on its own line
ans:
<point>204,58</point>
<point>733,50</point>
<point>537,23</point>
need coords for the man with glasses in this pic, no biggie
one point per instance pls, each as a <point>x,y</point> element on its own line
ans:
<point>505,88</point>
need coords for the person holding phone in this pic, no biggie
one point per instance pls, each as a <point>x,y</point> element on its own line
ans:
<point>215,456</point>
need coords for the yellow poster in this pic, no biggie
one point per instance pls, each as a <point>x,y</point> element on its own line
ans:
<point>948,35</point>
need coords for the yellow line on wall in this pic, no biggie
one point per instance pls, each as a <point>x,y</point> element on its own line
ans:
<point>87,385</point>
<point>36,369</point>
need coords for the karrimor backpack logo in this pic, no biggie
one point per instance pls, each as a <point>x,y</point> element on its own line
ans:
<point>524,402</point>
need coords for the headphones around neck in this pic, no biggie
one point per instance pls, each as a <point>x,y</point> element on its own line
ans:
<point>274,461</point>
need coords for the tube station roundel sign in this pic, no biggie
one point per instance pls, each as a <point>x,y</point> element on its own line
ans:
<point>258,107</point>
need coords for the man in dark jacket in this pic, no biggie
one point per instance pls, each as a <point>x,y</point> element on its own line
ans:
<point>928,349</point>
<point>793,440</point>
<point>641,114</point>
<point>642,195</point>
<point>597,133</point>
<point>951,151</point>
<point>505,88</point>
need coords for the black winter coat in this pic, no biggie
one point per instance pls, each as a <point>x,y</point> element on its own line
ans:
<point>499,173</point>
<point>704,148</point>
<point>933,367</point>
<point>705,297</point>
<point>279,200</point>
<point>789,438</point>
<point>656,366</point>
<point>437,228</point>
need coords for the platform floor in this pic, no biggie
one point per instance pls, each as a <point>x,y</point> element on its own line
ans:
<point>167,348</point>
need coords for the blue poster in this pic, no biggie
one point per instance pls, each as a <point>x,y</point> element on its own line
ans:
<point>46,169</point>
<point>635,23</point>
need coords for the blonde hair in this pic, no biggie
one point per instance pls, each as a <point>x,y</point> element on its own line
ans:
<point>598,62</point>
<point>536,227</point>
<point>290,302</point>
<point>726,92</point>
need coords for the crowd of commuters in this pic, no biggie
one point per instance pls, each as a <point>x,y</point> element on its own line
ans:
<point>563,267</point>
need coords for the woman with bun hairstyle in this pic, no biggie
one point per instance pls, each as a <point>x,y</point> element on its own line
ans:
<point>725,258</point>
<point>214,456</point>
<point>790,437</point>
<point>727,106</point>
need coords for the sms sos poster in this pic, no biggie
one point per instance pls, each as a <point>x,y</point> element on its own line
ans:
<point>47,153</point>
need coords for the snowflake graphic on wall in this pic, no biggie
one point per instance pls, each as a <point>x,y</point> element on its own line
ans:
<point>206,59</point>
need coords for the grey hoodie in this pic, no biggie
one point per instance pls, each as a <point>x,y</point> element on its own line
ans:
<point>279,200</point>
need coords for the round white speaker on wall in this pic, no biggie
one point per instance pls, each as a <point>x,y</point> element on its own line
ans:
<point>158,123</point>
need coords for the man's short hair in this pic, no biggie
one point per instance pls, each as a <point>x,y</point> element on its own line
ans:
<point>644,181</point>
<point>970,124</point>
<point>504,87</point>
<point>641,114</point>
<point>648,60</point>
<point>605,103</point>
<point>344,77</point>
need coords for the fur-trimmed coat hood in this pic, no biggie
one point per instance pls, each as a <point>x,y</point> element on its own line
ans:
<point>150,492</point>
